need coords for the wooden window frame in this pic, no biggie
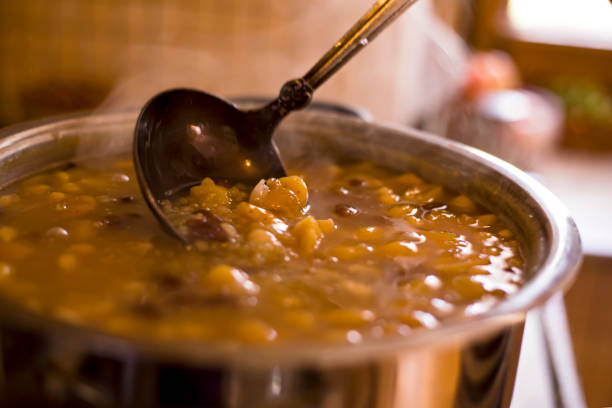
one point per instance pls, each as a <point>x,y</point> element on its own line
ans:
<point>536,60</point>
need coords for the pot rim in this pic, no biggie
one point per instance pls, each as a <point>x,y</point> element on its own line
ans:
<point>557,272</point>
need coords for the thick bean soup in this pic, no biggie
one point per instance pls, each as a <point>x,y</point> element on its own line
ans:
<point>333,253</point>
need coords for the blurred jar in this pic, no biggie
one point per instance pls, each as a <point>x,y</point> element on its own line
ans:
<point>71,54</point>
<point>495,114</point>
<point>517,125</point>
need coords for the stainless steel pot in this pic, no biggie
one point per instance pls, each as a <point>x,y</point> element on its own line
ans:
<point>464,363</point>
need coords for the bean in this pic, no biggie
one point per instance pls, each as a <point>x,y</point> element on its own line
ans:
<point>300,318</point>
<point>340,191</point>
<point>8,199</point>
<point>327,225</point>
<point>168,281</point>
<point>346,210</point>
<point>408,180</point>
<point>403,210</point>
<point>37,190</point>
<point>70,187</point>
<point>349,317</point>
<point>308,234</point>
<point>146,309</point>
<point>369,234</point>
<point>463,204</point>
<point>208,227</point>
<point>224,279</point>
<point>356,288</point>
<point>357,182</point>
<point>61,176</point>
<point>468,288</point>
<point>486,220</point>
<point>255,332</point>
<point>68,166</point>
<point>5,270</point>
<point>67,261</point>
<point>397,248</point>
<point>349,252</point>
<point>56,196</point>
<point>7,234</point>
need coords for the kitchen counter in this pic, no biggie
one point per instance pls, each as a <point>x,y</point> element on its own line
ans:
<point>583,182</point>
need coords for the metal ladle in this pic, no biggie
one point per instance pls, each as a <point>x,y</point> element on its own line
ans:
<point>185,135</point>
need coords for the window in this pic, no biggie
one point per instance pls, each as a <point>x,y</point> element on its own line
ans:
<point>584,23</point>
<point>548,37</point>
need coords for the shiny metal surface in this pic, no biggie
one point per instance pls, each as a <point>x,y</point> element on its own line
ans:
<point>464,363</point>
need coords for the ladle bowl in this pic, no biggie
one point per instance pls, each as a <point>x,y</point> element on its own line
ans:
<point>184,135</point>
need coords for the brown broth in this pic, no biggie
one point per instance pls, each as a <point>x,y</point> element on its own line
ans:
<point>369,253</point>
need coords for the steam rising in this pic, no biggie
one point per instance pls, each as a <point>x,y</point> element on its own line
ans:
<point>236,48</point>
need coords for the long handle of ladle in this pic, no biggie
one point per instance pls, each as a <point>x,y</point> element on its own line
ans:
<point>297,93</point>
<point>379,16</point>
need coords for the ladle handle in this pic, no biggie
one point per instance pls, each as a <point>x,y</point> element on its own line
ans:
<point>379,16</point>
<point>297,93</point>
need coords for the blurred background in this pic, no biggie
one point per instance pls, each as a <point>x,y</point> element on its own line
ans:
<point>530,81</point>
